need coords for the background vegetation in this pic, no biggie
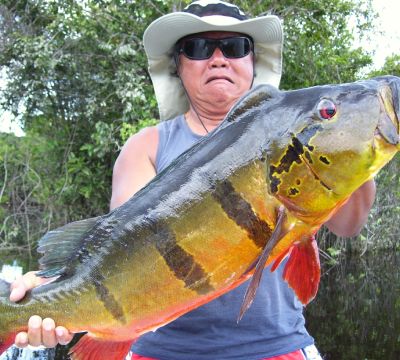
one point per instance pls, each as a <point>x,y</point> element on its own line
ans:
<point>77,82</point>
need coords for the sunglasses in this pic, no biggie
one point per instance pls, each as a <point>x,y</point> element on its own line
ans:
<point>203,48</point>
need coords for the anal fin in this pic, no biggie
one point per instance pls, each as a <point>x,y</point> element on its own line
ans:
<point>302,270</point>
<point>90,348</point>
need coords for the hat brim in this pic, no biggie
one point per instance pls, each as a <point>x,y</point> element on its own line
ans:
<point>162,34</point>
<point>174,26</point>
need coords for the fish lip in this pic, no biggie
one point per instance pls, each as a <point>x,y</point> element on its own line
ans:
<point>219,77</point>
<point>388,125</point>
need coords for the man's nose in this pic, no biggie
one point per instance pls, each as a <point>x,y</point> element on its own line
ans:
<point>218,59</point>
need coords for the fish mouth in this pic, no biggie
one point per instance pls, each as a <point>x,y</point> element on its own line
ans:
<point>388,124</point>
<point>214,78</point>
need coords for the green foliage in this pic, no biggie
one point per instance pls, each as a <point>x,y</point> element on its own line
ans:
<point>318,46</point>
<point>29,200</point>
<point>356,313</point>
<point>391,67</point>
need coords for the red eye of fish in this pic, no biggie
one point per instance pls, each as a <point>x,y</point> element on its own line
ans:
<point>326,109</point>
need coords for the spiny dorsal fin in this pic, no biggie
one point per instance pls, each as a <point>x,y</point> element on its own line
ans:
<point>59,244</point>
<point>252,99</point>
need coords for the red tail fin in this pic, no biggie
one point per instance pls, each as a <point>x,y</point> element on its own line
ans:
<point>302,270</point>
<point>5,344</point>
<point>89,348</point>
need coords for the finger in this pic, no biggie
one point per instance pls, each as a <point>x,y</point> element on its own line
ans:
<point>24,283</point>
<point>35,330</point>
<point>64,337</point>
<point>21,340</point>
<point>48,333</point>
<point>21,285</point>
<point>18,289</point>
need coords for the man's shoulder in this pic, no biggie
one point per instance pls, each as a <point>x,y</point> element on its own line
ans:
<point>144,143</point>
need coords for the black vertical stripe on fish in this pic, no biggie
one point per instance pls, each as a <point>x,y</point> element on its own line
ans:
<point>181,262</point>
<point>293,154</point>
<point>241,212</point>
<point>107,298</point>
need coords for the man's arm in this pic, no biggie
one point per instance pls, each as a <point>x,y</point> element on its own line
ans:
<point>353,215</point>
<point>135,166</point>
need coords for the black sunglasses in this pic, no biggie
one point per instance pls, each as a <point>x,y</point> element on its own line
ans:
<point>203,48</point>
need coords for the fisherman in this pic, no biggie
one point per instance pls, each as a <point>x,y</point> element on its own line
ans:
<point>201,61</point>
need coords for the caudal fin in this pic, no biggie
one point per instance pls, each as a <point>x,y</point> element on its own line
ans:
<point>6,342</point>
<point>6,339</point>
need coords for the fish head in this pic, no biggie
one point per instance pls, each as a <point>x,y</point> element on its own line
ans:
<point>337,137</point>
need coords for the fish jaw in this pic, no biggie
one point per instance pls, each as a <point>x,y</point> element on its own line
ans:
<point>386,141</point>
<point>388,125</point>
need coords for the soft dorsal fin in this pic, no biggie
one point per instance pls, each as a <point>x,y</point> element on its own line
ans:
<point>254,98</point>
<point>58,245</point>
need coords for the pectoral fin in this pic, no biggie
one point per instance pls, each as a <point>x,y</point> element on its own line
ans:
<point>302,270</point>
<point>259,267</point>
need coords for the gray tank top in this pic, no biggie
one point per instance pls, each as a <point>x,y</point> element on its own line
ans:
<point>273,325</point>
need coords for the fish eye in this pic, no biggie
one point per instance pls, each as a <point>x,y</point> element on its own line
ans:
<point>326,109</point>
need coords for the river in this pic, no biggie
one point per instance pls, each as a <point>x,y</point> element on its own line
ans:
<point>356,314</point>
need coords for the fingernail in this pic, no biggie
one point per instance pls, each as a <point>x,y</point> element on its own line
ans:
<point>12,293</point>
<point>21,340</point>
<point>35,322</point>
<point>59,332</point>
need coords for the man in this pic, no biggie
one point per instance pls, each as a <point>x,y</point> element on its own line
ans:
<point>201,61</point>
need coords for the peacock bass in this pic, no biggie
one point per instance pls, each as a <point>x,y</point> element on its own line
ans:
<point>249,194</point>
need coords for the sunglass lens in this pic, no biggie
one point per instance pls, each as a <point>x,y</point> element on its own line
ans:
<point>197,49</point>
<point>235,47</point>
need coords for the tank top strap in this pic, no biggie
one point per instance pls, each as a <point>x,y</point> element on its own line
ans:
<point>175,137</point>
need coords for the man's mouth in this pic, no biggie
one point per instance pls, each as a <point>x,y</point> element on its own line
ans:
<point>215,78</point>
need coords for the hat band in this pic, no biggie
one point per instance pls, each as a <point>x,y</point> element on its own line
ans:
<point>215,9</point>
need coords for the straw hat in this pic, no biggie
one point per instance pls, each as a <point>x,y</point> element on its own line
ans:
<point>201,16</point>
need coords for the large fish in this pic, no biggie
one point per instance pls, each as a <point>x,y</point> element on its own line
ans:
<point>249,194</point>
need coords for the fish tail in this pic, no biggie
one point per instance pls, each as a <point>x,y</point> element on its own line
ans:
<point>6,338</point>
<point>6,342</point>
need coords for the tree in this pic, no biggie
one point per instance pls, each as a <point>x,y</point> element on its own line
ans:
<point>390,67</point>
<point>77,80</point>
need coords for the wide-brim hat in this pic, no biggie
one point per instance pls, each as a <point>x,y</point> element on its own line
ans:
<point>201,16</point>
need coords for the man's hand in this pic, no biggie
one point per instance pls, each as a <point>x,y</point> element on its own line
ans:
<point>353,215</point>
<point>40,332</point>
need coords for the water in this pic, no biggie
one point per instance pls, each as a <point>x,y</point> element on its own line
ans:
<point>10,272</point>
<point>356,315</point>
